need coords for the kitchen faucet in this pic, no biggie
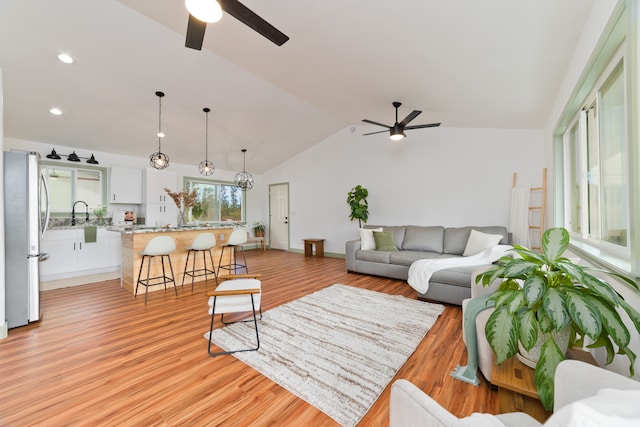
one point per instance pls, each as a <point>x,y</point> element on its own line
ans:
<point>73,212</point>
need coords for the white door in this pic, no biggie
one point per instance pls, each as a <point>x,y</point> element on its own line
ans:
<point>279,216</point>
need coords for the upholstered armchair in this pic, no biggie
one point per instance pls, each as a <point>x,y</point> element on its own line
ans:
<point>585,395</point>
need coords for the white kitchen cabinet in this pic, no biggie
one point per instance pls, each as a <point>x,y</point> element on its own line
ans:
<point>160,214</point>
<point>154,182</point>
<point>159,208</point>
<point>125,185</point>
<point>70,256</point>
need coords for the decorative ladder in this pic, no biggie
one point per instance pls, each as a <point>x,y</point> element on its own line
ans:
<point>537,209</point>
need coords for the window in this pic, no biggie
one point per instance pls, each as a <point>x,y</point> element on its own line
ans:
<point>217,200</point>
<point>595,149</point>
<point>68,185</point>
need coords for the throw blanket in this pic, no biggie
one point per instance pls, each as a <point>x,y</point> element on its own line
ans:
<point>421,271</point>
<point>469,373</point>
<point>519,215</point>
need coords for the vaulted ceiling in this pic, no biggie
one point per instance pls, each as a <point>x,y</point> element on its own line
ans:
<point>465,63</point>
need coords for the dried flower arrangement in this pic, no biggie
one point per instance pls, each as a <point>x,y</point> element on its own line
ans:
<point>183,198</point>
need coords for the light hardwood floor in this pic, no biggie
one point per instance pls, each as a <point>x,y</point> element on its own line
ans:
<point>101,357</point>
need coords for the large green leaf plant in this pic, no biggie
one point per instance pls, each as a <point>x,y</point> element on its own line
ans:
<point>545,292</point>
<point>357,200</point>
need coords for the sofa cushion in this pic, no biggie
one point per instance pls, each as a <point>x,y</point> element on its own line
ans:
<point>398,234</point>
<point>479,241</point>
<point>428,239</point>
<point>456,238</point>
<point>367,242</point>
<point>380,257</point>
<point>407,258</point>
<point>384,241</point>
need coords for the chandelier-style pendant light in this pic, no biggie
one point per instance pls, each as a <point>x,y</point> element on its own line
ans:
<point>244,180</point>
<point>159,160</point>
<point>206,167</point>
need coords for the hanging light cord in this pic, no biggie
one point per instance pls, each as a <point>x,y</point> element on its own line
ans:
<point>206,135</point>
<point>159,119</point>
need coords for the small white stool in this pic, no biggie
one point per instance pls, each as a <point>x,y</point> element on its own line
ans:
<point>160,246</point>
<point>203,242</point>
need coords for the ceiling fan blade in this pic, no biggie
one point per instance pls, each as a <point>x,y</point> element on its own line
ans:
<point>375,123</point>
<point>195,33</point>
<point>410,117</point>
<point>373,133</point>
<point>430,125</point>
<point>252,20</point>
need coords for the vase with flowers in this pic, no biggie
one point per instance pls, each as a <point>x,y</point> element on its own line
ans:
<point>185,201</point>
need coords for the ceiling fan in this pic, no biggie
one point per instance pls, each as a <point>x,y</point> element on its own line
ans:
<point>203,11</point>
<point>397,130</point>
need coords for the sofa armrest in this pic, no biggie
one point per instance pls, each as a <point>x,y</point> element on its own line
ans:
<point>409,406</point>
<point>575,380</point>
<point>477,289</point>
<point>351,247</point>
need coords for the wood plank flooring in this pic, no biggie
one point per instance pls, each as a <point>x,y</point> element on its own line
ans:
<point>100,357</point>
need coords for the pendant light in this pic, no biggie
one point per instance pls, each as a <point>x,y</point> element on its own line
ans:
<point>206,167</point>
<point>159,160</point>
<point>244,180</point>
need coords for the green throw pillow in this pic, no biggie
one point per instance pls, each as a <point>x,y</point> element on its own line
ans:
<point>384,241</point>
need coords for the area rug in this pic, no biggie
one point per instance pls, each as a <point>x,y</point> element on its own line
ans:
<point>337,348</point>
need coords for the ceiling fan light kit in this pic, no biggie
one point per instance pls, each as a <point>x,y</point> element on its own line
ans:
<point>396,132</point>
<point>204,10</point>
<point>206,167</point>
<point>244,179</point>
<point>198,19</point>
<point>159,160</point>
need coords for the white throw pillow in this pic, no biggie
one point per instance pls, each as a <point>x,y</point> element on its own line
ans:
<point>478,242</point>
<point>608,407</point>
<point>367,241</point>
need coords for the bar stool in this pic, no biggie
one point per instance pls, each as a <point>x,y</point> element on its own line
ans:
<point>237,238</point>
<point>203,242</point>
<point>160,246</point>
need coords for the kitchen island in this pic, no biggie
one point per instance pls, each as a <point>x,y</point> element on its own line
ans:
<point>134,240</point>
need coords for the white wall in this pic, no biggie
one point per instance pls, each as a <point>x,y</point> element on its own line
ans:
<point>441,176</point>
<point>3,320</point>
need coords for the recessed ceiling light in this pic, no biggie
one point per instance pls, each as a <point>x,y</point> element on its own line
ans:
<point>65,58</point>
<point>56,111</point>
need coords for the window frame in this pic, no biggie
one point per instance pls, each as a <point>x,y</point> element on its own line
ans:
<point>47,164</point>
<point>618,37</point>
<point>188,180</point>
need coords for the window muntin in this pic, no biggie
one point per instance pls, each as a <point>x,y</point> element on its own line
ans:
<point>217,201</point>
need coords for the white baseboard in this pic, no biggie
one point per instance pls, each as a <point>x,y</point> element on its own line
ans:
<point>77,281</point>
<point>4,330</point>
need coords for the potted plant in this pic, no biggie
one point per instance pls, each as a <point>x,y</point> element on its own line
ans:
<point>100,213</point>
<point>543,293</point>
<point>357,200</point>
<point>258,229</point>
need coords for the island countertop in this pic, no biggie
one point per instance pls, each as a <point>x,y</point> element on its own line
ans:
<point>135,239</point>
<point>136,229</point>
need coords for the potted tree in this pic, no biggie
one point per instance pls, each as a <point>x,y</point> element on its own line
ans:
<point>543,293</point>
<point>357,200</point>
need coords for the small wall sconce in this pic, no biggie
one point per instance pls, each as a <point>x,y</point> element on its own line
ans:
<point>73,157</point>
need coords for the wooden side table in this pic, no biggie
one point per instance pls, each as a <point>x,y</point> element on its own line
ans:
<point>308,247</point>
<point>517,389</point>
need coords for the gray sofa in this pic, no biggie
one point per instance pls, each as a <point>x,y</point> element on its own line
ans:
<point>451,285</point>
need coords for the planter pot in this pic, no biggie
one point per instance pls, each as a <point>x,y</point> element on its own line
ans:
<point>530,357</point>
<point>259,233</point>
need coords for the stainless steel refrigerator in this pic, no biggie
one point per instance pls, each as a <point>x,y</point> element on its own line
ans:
<point>25,219</point>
